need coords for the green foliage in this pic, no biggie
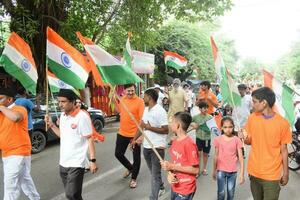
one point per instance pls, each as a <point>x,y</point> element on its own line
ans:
<point>193,42</point>
<point>106,22</point>
<point>251,70</point>
<point>289,65</point>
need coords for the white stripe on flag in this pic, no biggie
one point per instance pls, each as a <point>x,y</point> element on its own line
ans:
<point>17,58</point>
<point>54,53</point>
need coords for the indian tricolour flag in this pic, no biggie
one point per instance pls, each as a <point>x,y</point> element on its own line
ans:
<point>111,69</point>
<point>18,62</point>
<point>229,90</point>
<point>128,57</point>
<point>57,84</point>
<point>174,60</point>
<point>284,97</point>
<point>68,64</point>
<point>210,126</point>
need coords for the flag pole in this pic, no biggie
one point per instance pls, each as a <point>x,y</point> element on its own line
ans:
<point>47,95</point>
<point>137,124</point>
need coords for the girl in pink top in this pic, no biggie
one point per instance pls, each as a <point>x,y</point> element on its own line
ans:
<point>228,151</point>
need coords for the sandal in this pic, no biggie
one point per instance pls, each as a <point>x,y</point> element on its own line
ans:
<point>132,184</point>
<point>126,174</point>
<point>204,172</point>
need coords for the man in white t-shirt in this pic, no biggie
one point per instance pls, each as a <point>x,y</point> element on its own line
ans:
<point>155,124</point>
<point>241,113</point>
<point>75,131</point>
<point>161,96</point>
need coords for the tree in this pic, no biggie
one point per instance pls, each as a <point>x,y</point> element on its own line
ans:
<point>289,65</point>
<point>193,42</point>
<point>106,21</point>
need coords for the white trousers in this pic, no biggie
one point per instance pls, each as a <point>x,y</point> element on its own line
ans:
<point>17,176</point>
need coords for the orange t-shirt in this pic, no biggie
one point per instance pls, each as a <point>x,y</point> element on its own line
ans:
<point>136,106</point>
<point>14,137</point>
<point>204,95</point>
<point>267,136</point>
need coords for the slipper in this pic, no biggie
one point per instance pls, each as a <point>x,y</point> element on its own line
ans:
<point>132,184</point>
<point>204,172</point>
<point>126,174</point>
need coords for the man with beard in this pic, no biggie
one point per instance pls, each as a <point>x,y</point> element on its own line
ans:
<point>178,100</point>
<point>155,124</point>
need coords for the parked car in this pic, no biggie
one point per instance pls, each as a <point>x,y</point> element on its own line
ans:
<point>39,136</point>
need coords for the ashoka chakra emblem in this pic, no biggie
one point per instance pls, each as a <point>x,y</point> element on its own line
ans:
<point>25,65</point>
<point>61,84</point>
<point>65,59</point>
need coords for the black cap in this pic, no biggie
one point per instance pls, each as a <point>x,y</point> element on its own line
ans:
<point>8,92</point>
<point>69,94</point>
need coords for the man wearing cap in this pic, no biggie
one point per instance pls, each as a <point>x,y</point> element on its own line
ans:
<point>16,148</point>
<point>75,131</point>
<point>178,100</point>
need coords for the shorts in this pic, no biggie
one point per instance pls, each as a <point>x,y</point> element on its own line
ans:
<point>203,145</point>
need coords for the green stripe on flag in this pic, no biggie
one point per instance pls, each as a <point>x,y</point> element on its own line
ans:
<point>127,58</point>
<point>19,74</point>
<point>174,65</point>
<point>227,90</point>
<point>65,74</point>
<point>118,75</point>
<point>287,103</point>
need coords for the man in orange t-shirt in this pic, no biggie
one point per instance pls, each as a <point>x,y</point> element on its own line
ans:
<point>205,94</point>
<point>16,148</point>
<point>127,132</point>
<point>268,133</point>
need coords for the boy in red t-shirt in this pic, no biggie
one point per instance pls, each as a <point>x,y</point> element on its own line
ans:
<point>185,159</point>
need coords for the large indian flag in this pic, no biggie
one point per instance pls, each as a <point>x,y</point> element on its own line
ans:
<point>111,69</point>
<point>68,64</point>
<point>229,90</point>
<point>174,60</point>
<point>18,62</point>
<point>284,97</point>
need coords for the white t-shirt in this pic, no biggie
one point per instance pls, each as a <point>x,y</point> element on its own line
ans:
<point>74,132</point>
<point>161,96</point>
<point>189,95</point>
<point>157,117</point>
<point>241,113</point>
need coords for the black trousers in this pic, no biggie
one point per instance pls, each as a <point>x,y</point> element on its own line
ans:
<point>72,178</point>
<point>121,146</point>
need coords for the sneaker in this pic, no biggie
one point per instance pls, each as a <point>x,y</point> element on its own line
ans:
<point>161,192</point>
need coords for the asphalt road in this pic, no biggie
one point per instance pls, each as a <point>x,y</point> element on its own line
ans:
<point>108,184</point>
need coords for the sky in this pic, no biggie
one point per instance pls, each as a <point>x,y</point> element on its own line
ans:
<point>263,29</point>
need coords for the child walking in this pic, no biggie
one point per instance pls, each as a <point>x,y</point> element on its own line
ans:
<point>203,135</point>
<point>184,165</point>
<point>228,151</point>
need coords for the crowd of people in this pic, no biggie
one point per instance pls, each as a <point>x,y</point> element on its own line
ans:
<point>150,126</point>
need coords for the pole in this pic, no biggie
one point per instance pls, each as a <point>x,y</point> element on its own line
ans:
<point>47,95</point>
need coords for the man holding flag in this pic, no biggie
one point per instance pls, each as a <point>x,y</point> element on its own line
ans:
<point>75,132</point>
<point>127,132</point>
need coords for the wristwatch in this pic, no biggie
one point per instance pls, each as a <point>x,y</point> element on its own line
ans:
<point>92,160</point>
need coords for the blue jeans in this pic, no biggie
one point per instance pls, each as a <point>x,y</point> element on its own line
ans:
<point>223,179</point>
<point>176,196</point>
